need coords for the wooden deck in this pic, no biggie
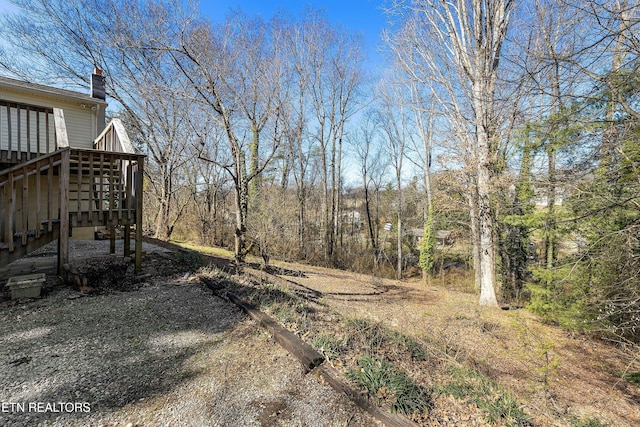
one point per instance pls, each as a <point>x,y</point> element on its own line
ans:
<point>44,195</point>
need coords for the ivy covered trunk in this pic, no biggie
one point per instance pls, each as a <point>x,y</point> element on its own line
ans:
<point>427,246</point>
<point>483,92</point>
<point>242,206</point>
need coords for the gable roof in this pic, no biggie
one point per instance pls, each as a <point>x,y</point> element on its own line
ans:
<point>34,88</point>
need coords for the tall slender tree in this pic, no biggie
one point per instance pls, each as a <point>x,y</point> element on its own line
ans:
<point>469,34</point>
<point>334,58</point>
<point>394,122</point>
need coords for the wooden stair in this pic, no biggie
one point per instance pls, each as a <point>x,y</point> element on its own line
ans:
<point>34,242</point>
<point>66,189</point>
<point>43,181</point>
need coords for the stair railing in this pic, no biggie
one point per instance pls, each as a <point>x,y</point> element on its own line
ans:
<point>114,138</point>
<point>125,189</point>
<point>36,193</point>
<point>31,202</point>
<point>28,131</point>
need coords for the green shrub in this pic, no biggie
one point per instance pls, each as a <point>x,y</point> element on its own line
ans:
<point>329,345</point>
<point>387,384</point>
<point>633,377</point>
<point>500,406</point>
<point>373,337</point>
<point>586,422</point>
<point>410,345</point>
<point>362,333</point>
<point>188,260</point>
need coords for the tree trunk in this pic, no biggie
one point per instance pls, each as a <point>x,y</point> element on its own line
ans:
<point>475,234</point>
<point>399,215</point>
<point>242,207</point>
<point>399,265</point>
<point>550,238</point>
<point>486,222</point>
<point>552,144</point>
<point>486,225</point>
<point>338,195</point>
<point>301,222</point>
<point>254,164</point>
<point>609,137</point>
<point>367,208</point>
<point>162,219</point>
<point>427,214</point>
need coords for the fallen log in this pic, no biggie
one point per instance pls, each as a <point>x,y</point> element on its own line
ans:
<point>306,354</point>
<point>311,360</point>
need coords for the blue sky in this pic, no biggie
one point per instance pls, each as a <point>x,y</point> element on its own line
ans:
<point>360,16</point>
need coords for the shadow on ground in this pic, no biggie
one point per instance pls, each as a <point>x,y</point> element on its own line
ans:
<point>106,351</point>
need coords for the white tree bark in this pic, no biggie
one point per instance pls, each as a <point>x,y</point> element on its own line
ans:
<point>454,47</point>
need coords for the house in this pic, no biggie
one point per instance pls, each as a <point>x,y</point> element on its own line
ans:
<point>351,217</point>
<point>443,237</point>
<point>63,170</point>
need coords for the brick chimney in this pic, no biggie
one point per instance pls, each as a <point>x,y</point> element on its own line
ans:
<point>98,91</point>
<point>98,85</point>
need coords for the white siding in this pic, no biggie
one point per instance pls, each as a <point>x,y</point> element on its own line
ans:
<point>80,118</point>
<point>31,135</point>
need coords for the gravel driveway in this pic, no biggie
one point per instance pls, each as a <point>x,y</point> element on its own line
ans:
<point>168,353</point>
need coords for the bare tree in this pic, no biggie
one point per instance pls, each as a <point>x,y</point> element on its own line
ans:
<point>299,143</point>
<point>209,184</point>
<point>373,163</point>
<point>333,60</point>
<point>470,35</point>
<point>424,118</point>
<point>394,122</point>
<point>122,38</point>
<point>214,60</point>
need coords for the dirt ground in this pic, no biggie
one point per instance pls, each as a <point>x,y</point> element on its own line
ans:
<point>162,352</point>
<point>168,352</point>
<point>559,378</point>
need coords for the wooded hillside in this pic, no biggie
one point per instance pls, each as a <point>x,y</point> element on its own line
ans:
<point>510,126</point>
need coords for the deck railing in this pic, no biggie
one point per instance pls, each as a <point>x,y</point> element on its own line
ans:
<point>38,195</point>
<point>67,187</point>
<point>26,131</point>
<point>104,186</point>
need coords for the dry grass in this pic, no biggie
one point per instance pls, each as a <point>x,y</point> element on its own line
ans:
<point>208,250</point>
<point>555,378</point>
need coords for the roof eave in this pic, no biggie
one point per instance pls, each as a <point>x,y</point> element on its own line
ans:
<point>35,88</point>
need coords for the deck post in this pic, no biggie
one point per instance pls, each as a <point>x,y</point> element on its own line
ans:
<point>62,140</point>
<point>10,227</point>
<point>63,240</point>
<point>138,190</point>
<point>112,238</point>
<point>127,240</point>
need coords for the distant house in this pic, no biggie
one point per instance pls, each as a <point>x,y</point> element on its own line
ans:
<point>542,201</point>
<point>562,191</point>
<point>443,237</point>
<point>351,216</point>
<point>62,168</point>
